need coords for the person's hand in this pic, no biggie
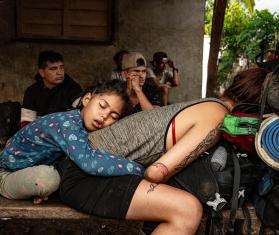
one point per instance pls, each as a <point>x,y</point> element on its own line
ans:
<point>165,86</point>
<point>134,80</point>
<point>171,64</point>
<point>136,84</point>
<point>39,200</point>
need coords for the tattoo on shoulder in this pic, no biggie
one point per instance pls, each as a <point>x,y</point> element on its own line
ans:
<point>152,187</point>
<point>208,142</point>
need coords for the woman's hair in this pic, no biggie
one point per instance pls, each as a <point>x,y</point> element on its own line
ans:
<point>116,87</point>
<point>272,92</point>
<point>247,86</point>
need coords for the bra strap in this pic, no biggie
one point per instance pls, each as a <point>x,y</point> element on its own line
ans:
<point>173,131</point>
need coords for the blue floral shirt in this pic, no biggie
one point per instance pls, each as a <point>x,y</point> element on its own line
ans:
<point>53,135</point>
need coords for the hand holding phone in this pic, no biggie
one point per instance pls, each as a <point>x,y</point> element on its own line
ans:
<point>170,63</point>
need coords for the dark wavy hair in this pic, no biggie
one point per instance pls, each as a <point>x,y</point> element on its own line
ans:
<point>272,92</point>
<point>116,87</point>
<point>247,86</point>
<point>48,56</point>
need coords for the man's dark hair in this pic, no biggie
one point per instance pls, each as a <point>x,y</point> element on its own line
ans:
<point>117,58</point>
<point>158,56</point>
<point>48,56</point>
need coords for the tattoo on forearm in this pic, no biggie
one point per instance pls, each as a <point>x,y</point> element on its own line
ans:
<point>152,186</point>
<point>208,142</point>
<point>162,168</point>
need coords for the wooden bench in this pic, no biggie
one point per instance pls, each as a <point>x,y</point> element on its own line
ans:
<point>53,217</point>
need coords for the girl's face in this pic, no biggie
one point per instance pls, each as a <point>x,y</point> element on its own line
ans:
<point>101,110</point>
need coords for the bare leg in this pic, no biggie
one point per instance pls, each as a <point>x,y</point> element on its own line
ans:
<point>178,211</point>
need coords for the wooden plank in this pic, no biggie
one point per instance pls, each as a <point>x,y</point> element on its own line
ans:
<point>41,16</point>
<point>29,30</point>
<point>110,19</point>
<point>26,209</point>
<point>87,18</point>
<point>7,21</point>
<point>23,213</point>
<point>57,4</point>
<point>65,19</point>
<point>96,33</point>
<point>98,5</point>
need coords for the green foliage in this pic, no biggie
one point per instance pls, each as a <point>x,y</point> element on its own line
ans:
<point>236,19</point>
<point>244,33</point>
<point>225,65</point>
<point>260,31</point>
<point>209,5</point>
<point>249,4</point>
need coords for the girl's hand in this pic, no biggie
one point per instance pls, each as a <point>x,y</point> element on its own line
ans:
<point>39,200</point>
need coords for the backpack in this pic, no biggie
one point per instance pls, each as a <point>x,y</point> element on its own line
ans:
<point>239,127</point>
<point>226,187</point>
<point>266,200</point>
<point>9,120</point>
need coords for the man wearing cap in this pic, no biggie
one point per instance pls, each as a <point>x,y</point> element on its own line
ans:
<point>143,95</point>
<point>166,73</point>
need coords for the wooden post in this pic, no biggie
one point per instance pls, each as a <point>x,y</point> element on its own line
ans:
<point>215,41</point>
<point>7,21</point>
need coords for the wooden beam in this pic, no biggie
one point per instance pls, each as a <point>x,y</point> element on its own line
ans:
<point>215,41</point>
<point>7,21</point>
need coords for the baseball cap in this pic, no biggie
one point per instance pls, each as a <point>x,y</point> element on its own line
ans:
<point>133,60</point>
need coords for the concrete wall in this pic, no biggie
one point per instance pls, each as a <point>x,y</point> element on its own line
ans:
<point>174,26</point>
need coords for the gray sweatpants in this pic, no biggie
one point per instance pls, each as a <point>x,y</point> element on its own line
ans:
<point>30,182</point>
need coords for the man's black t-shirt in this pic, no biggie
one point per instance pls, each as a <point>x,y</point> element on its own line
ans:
<point>153,94</point>
<point>44,101</point>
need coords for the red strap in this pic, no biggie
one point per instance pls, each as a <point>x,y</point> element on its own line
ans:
<point>173,131</point>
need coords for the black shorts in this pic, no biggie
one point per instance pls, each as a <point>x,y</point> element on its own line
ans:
<point>107,197</point>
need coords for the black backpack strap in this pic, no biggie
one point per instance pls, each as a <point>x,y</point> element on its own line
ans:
<point>214,224</point>
<point>234,200</point>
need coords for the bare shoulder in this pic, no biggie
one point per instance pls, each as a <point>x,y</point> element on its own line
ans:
<point>207,111</point>
<point>214,106</point>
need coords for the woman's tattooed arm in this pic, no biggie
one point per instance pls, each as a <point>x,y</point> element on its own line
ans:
<point>210,140</point>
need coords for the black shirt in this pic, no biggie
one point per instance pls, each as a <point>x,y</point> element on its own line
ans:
<point>153,94</point>
<point>44,101</point>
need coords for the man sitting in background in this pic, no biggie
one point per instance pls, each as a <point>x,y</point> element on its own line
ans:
<point>53,91</point>
<point>166,73</point>
<point>144,94</point>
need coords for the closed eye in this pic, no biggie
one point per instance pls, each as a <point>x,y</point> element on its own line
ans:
<point>103,104</point>
<point>115,116</point>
